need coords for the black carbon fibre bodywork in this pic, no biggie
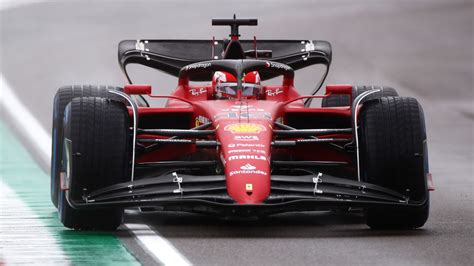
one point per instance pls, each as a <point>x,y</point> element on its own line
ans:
<point>207,194</point>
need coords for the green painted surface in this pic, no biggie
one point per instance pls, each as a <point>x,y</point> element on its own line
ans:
<point>20,172</point>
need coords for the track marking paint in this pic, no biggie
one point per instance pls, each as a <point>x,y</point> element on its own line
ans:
<point>21,231</point>
<point>157,245</point>
<point>37,135</point>
<point>22,175</point>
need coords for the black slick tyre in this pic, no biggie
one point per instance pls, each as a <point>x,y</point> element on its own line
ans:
<point>63,96</point>
<point>98,129</point>
<point>338,100</point>
<point>392,140</point>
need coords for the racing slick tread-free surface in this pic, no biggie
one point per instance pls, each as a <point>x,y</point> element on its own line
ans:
<point>99,131</point>
<point>392,143</point>
<point>63,96</point>
<point>337,100</point>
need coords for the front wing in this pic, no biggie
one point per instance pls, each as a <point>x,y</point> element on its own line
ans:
<point>208,194</point>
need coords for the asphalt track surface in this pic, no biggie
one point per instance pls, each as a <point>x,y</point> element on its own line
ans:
<point>422,48</point>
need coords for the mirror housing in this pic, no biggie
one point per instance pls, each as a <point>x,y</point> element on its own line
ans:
<point>339,89</point>
<point>133,89</point>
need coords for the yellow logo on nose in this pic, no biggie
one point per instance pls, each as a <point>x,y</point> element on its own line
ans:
<point>248,187</point>
<point>245,128</point>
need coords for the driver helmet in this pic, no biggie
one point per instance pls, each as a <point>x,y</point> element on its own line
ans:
<point>225,85</point>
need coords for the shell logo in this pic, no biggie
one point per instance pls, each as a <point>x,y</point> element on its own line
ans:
<point>245,128</point>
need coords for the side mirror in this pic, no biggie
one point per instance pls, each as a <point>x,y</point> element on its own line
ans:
<point>339,89</point>
<point>137,89</point>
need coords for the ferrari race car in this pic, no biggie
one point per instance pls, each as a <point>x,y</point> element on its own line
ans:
<point>227,145</point>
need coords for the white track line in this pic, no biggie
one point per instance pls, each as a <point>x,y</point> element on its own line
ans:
<point>157,245</point>
<point>22,231</point>
<point>150,240</point>
<point>37,135</point>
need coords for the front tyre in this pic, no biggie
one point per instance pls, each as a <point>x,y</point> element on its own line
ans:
<point>394,155</point>
<point>98,129</point>
<point>63,97</point>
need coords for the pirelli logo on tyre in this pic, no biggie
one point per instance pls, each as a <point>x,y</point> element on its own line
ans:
<point>245,128</point>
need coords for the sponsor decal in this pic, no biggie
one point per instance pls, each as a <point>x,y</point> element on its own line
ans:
<point>247,151</point>
<point>247,157</point>
<point>197,92</point>
<point>240,151</point>
<point>248,167</point>
<point>233,145</point>
<point>245,128</point>
<point>196,65</point>
<point>274,92</point>
<point>246,138</point>
<point>247,172</point>
<point>265,115</point>
<point>277,65</point>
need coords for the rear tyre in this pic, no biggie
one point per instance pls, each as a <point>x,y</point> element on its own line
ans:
<point>394,155</point>
<point>63,96</point>
<point>99,131</point>
<point>338,100</point>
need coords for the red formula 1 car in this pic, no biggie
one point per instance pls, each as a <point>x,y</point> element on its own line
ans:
<point>232,146</point>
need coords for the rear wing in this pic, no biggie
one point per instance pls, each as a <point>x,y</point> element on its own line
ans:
<point>170,56</point>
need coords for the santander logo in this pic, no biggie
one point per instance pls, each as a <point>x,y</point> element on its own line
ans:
<point>248,167</point>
